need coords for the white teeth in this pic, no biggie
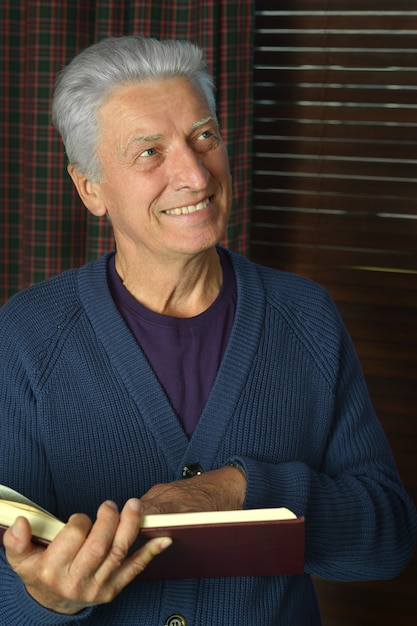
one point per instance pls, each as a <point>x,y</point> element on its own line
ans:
<point>192,208</point>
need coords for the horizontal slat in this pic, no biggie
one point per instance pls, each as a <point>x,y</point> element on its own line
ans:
<point>316,183</point>
<point>328,57</point>
<point>386,301</point>
<point>305,259</point>
<point>379,236</point>
<point>335,112</point>
<point>388,326</point>
<point>397,248</point>
<point>322,130</point>
<point>288,253</point>
<point>386,76</point>
<point>363,607</point>
<point>351,278</point>
<point>322,166</point>
<point>397,399</point>
<point>402,355</point>
<point>353,227</point>
<point>346,149</point>
<point>332,20</point>
<point>372,6</point>
<point>367,327</point>
<point>380,298</point>
<point>348,201</point>
<point>406,370</point>
<point>343,94</point>
<point>337,37</point>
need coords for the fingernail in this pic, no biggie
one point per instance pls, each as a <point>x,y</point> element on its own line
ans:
<point>135,504</point>
<point>14,529</point>
<point>112,504</point>
<point>165,542</point>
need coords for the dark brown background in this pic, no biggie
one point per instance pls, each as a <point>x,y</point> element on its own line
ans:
<point>335,199</point>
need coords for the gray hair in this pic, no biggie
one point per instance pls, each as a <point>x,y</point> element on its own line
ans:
<point>83,85</point>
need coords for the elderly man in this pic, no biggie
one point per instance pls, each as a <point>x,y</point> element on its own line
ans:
<point>173,357</point>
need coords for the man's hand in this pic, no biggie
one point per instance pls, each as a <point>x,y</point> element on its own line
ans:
<point>87,563</point>
<point>220,490</point>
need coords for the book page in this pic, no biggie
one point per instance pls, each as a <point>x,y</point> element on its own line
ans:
<point>6,493</point>
<point>217,517</point>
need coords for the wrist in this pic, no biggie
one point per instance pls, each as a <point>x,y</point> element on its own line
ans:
<point>237,466</point>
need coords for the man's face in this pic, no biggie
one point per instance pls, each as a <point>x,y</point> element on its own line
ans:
<point>166,183</point>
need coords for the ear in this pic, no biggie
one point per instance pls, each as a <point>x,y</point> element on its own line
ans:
<point>88,191</point>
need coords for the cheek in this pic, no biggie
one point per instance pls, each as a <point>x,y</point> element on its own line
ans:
<point>224,168</point>
<point>219,168</point>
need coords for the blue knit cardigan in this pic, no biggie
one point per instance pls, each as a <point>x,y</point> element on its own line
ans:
<point>83,418</point>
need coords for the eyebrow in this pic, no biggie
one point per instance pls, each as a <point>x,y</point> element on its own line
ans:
<point>150,138</point>
<point>202,122</point>
<point>145,138</point>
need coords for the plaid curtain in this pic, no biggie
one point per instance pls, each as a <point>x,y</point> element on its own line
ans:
<point>44,227</point>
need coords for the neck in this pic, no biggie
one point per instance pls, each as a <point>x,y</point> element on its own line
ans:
<point>183,290</point>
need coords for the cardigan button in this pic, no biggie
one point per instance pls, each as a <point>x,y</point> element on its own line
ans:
<point>191,470</point>
<point>176,620</point>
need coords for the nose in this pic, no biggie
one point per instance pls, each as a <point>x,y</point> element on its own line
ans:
<point>188,170</point>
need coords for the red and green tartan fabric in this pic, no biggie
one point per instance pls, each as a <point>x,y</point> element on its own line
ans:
<point>44,227</point>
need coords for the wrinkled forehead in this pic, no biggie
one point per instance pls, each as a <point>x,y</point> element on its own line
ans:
<point>141,90</point>
<point>152,107</point>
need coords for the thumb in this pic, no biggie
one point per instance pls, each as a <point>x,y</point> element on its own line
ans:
<point>17,539</point>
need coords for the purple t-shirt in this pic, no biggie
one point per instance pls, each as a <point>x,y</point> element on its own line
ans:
<point>185,353</point>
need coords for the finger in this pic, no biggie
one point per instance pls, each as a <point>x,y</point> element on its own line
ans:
<point>130,523</point>
<point>142,557</point>
<point>95,547</point>
<point>137,563</point>
<point>125,535</point>
<point>65,546</point>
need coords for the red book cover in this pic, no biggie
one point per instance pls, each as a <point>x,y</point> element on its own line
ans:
<point>261,548</point>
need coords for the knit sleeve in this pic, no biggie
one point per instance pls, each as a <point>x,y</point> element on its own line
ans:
<point>23,462</point>
<point>360,522</point>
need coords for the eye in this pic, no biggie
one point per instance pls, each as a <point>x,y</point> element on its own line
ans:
<point>205,134</point>
<point>149,152</point>
<point>206,141</point>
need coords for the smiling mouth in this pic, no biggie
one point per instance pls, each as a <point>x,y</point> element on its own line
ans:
<point>192,208</point>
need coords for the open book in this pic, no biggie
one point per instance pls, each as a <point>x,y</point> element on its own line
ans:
<point>250,542</point>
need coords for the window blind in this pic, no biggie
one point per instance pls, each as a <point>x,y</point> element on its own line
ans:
<point>335,179</point>
<point>335,156</point>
